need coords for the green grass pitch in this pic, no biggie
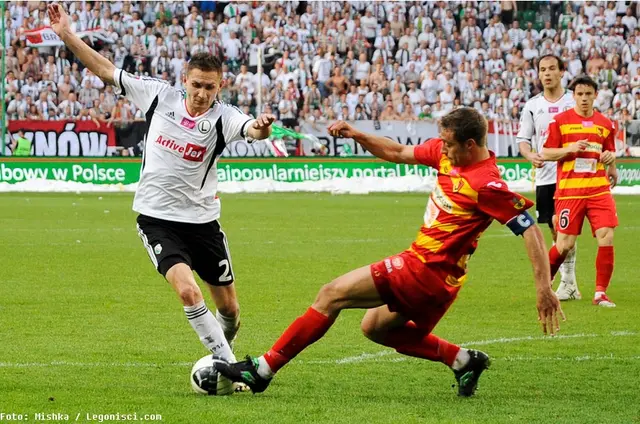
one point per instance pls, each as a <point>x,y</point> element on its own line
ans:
<point>88,326</point>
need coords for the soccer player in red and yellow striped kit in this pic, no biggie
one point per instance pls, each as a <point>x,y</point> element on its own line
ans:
<point>582,141</point>
<point>407,294</point>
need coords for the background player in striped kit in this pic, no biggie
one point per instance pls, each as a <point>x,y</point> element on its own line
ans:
<point>582,140</point>
<point>534,122</point>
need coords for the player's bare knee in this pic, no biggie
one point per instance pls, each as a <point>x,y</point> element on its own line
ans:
<point>564,247</point>
<point>605,237</point>
<point>328,298</point>
<point>189,293</point>
<point>370,329</point>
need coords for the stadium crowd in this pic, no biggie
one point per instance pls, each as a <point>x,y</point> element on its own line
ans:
<point>333,60</point>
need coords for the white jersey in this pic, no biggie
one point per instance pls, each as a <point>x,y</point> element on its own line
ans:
<point>534,125</point>
<point>178,181</point>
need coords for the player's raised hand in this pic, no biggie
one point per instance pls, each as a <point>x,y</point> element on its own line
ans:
<point>59,19</point>
<point>607,157</point>
<point>264,121</point>
<point>548,311</point>
<point>579,146</point>
<point>342,129</point>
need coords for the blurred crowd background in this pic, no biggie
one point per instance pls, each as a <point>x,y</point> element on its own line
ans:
<point>327,60</point>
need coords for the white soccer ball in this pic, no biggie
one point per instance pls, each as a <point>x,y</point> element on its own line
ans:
<point>206,380</point>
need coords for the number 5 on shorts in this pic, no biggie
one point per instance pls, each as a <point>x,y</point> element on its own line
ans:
<point>563,221</point>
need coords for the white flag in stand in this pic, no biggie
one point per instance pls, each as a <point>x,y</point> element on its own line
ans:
<point>45,37</point>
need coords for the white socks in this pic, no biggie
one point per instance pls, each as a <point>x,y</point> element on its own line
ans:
<point>599,294</point>
<point>264,370</point>
<point>568,267</point>
<point>461,360</point>
<point>209,330</point>
<point>229,325</point>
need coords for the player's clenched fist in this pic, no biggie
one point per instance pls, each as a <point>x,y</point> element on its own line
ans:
<point>264,121</point>
<point>342,129</point>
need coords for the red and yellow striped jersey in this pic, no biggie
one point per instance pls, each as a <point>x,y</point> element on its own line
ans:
<point>581,175</point>
<point>462,205</point>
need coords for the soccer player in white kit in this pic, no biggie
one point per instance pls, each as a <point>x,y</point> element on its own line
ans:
<point>176,197</point>
<point>534,123</point>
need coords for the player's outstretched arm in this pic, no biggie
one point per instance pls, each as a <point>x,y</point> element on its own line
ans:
<point>96,63</point>
<point>547,303</point>
<point>381,147</point>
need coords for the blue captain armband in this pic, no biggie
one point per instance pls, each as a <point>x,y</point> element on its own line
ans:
<point>519,224</point>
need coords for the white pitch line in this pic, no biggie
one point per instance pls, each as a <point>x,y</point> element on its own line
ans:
<point>368,357</point>
<point>359,358</point>
<point>623,333</point>
<point>531,338</point>
<point>610,357</point>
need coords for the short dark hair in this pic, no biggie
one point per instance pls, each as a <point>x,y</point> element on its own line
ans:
<point>466,123</point>
<point>559,59</point>
<point>583,80</point>
<point>205,62</point>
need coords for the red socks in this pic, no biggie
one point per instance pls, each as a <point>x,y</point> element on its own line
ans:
<point>310,327</point>
<point>555,260</point>
<point>604,267</point>
<point>412,341</point>
<point>304,331</point>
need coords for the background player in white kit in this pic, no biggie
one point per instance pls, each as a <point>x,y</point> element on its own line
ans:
<point>534,123</point>
<point>176,197</point>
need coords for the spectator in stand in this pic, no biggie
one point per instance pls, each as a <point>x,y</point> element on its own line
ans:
<point>454,53</point>
<point>71,106</point>
<point>87,94</point>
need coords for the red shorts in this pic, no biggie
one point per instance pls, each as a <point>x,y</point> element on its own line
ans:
<point>415,290</point>
<point>599,210</point>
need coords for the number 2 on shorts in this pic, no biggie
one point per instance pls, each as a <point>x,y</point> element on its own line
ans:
<point>225,275</point>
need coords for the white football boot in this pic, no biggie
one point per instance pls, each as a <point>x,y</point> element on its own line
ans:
<point>568,290</point>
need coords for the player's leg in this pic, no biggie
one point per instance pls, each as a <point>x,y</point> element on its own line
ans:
<point>568,288</point>
<point>558,252</point>
<point>215,267</point>
<point>169,252</point>
<point>227,309</point>
<point>602,215</point>
<point>570,216</point>
<point>356,289</point>
<point>208,329</point>
<point>604,266</point>
<point>212,262</point>
<point>545,207</point>
<point>393,330</point>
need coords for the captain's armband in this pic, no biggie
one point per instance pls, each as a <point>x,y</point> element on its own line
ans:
<point>520,223</point>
